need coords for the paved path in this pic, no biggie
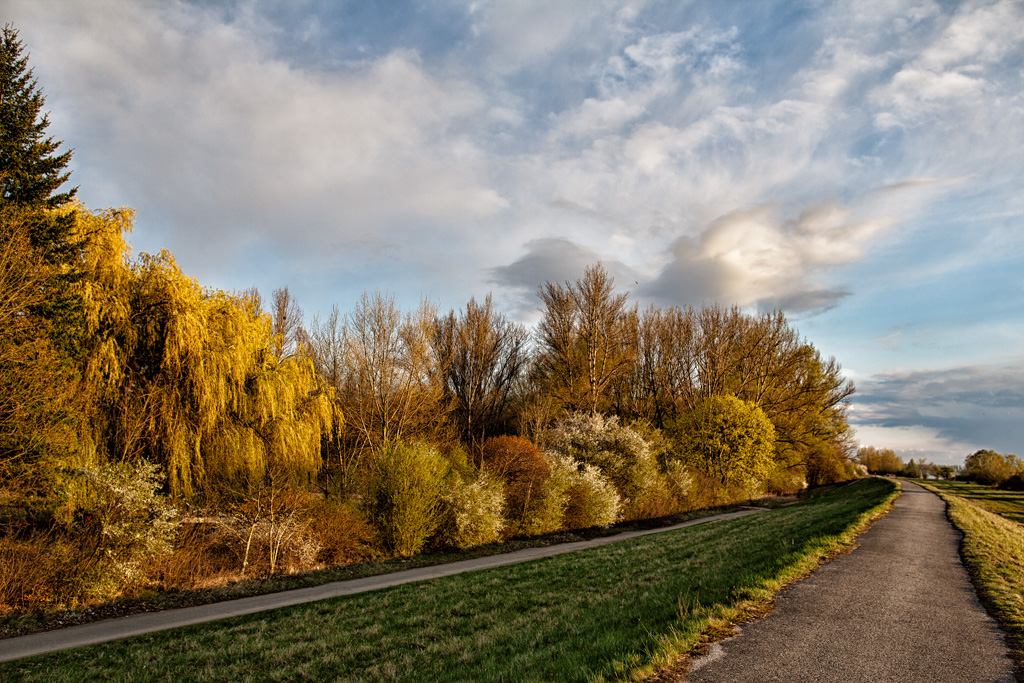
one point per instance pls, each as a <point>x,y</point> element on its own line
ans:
<point>898,608</point>
<point>137,624</point>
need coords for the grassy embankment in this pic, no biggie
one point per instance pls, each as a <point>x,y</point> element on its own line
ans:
<point>621,611</point>
<point>992,522</point>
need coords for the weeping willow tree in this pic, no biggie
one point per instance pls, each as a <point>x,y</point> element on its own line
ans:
<point>190,377</point>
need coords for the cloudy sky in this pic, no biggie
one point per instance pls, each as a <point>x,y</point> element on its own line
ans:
<point>857,164</point>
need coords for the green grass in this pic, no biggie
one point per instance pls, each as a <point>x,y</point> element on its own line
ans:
<point>1008,504</point>
<point>993,550</point>
<point>620,611</point>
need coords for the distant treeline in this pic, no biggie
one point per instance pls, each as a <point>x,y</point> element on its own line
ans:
<point>983,466</point>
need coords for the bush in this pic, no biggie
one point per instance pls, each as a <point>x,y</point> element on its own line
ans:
<point>989,467</point>
<point>472,511</point>
<point>545,513</point>
<point>592,501</point>
<point>524,472</point>
<point>343,531</point>
<point>35,571</point>
<point>404,500</point>
<point>205,554</point>
<point>1014,483</point>
<point>729,440</point>
<point>826,465</point>
<point>131,524</point>
<point>619,452</point>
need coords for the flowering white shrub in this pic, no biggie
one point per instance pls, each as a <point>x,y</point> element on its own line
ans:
<point>593,500</point>
<point>473,511</point>
<point>679,480</point>
<point>619,452</point>
<point>137,524</point>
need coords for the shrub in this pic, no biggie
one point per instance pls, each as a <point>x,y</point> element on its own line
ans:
<point>404,500</point>
<point>472,511</point>
<point>1014,483</point>
<point>34,571</point>
<point>130,522</point>
<point>729,440</point>
<point>826,465</point>
<point>205,554</point>
<point>619,452</point>
<point>545,513</point>
<point>989,467</point>
<point>343,531</point>
<point>592,500</point>
<point>522,468</point>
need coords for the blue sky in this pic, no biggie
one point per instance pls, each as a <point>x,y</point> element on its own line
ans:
<point>857,164</point>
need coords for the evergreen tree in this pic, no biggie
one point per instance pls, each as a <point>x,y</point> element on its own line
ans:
<point>31,172</point>
<point>30,169</point>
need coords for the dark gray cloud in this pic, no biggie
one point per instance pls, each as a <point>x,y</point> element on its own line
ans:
<point>976,406</point>
<point>554,259</point>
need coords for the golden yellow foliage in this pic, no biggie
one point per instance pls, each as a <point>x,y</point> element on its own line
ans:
<point>189,377</point>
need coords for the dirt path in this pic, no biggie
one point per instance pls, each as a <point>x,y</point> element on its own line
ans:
<point>138,624</point>
<point>898,608</point>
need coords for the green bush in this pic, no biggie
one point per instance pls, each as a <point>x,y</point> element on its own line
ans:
<point>472,511</point>
<point>728,439</point>
<point>404,500</point>
<point>545,513</point>
<point>989,467</point>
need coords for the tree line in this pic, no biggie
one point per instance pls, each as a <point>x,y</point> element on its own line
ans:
<point>159,430</point>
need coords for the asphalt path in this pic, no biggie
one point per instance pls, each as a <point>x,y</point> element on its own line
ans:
<point>149,622</point>
<point>900,607</point>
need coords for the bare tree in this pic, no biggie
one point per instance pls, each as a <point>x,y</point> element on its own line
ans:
<point>287,317</point>
<point>585,339</point>
<point>390,388</point>
<point>481,355</point>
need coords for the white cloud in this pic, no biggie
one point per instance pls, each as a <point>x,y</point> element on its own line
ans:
<point>756,257</point>
<point>200,119</point>
<point>949,76</point>
<point>710,165</point>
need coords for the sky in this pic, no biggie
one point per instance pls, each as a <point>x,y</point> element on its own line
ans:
<point>856,164</point>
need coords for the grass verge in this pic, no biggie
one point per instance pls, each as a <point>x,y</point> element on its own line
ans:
<point>623,611</point>
<point>1008,504</point>
<point>993,551</point>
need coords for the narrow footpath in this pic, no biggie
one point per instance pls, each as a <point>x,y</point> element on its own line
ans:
<point>149,622</point>
<point>900,607</point>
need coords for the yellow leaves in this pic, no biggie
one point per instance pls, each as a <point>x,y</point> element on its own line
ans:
<point>220,404</point>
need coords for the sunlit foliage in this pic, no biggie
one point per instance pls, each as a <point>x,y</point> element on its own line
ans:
<point>189,377</point>
<point>728,439</point>
<point>405,494</point>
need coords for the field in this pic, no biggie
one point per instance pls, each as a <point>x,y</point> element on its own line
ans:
<point>993,550</point>
<point>1008,504</point>
<point>618,612</point>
